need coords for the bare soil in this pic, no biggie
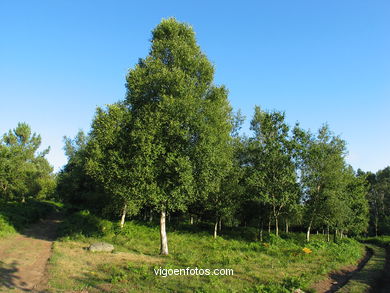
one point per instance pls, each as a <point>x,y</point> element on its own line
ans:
<point>23,257</point>
<point>338,279</point>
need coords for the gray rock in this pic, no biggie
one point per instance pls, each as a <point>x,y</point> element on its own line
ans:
<point>101,246</point>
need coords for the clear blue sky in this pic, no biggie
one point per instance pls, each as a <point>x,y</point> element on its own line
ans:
<point>320,61</point>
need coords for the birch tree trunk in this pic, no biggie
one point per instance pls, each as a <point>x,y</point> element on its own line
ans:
<point>308,233</point>
<point>215,228</point>
<point>123,217</point>
<point>327,234</point>
<point>276,226</point>
<point>261,231</point>
<point>163,234</point>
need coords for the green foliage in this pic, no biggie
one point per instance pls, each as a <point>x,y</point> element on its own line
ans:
<point>74,186</point>
<point>271,171</point>
<point>109,159</point>
<point>15,216</point>
<point>84,224</point>
<point>180,121</point>
<point>379,201</point>
<point>24,173</point>
<point>333,195</point>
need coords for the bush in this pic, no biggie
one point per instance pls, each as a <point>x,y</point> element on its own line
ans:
<point>83,223</point>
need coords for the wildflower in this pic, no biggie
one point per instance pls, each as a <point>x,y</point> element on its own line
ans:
<point>306,250</point>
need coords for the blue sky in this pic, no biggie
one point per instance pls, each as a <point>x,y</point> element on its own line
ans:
<point>320,61</point>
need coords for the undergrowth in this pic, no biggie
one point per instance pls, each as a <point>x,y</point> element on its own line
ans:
<point>15,216</point>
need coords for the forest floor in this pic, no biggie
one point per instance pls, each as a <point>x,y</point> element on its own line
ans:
<point>24,257</point>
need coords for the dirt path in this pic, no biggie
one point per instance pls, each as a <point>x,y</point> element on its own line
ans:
<point>338,279</point>
<point>23,257</point>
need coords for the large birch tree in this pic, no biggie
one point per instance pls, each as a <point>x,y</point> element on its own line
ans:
<point>180,123</point>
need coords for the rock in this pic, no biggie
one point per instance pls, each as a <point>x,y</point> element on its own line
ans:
<point>101,246</point>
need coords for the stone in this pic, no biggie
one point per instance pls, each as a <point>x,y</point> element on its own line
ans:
<point>101,246</point>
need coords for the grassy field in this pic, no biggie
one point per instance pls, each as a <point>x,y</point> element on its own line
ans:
<point>275,265</point>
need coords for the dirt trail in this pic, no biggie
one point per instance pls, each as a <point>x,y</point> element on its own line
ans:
<point>23,257</point>
<point>338,279</point>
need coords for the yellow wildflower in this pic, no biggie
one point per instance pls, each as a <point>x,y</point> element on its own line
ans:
<point>307,250</point>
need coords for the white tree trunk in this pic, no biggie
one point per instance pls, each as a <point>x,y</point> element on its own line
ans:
<point>215,229</point>
<point>123,217</point>
<point>276,226</point>
<point>286,226</point>
<point>192,220</point>
<point>308,233</point>
<point>163,235</point>
<point>220,225</point>
<point>327,234</point>
<point>261,231</point>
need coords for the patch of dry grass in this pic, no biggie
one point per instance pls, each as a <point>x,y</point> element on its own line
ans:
<point>73,266</point>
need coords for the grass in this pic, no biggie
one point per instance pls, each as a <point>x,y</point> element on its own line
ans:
<point>382,241</point>
<point>366,279</point>
<point>15,216</point>
<point>377,275</point>
<point>276,265</point>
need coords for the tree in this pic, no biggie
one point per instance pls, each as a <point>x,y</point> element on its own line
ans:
<point>24,172</point>
<point>272,174</point>
<point>223,204</point>
<point>379,200</point>
<point>180,123</point>
<point>109,159</point>
<point>321,175</point>
<point>75,186</point>
<point>356,191</point>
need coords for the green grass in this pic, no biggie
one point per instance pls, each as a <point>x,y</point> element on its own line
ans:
<point>382,241</point>
<point>277,265</point>
<point>366,279</point>
<point>15,216</point>
<point>376,274</point>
